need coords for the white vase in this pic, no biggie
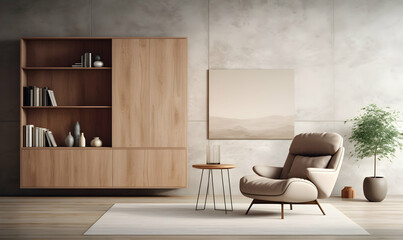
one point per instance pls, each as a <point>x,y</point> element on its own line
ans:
<point>82,140</point>
<point>96,142</point>
<point>98,64</point>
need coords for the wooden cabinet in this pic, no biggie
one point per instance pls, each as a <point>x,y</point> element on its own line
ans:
<point>136,103</point>
<point>130,93</point>
<point>168,93</point>
<point>149,93</point>
<point>150,168</point>
<point>66,168</point>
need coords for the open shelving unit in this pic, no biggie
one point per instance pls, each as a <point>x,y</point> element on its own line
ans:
<point>136,104</point>
<point>82,94</point>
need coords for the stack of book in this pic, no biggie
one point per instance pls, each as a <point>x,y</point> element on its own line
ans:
<point>35,96</point>
<point>38,137</point>
<point>86,61</point>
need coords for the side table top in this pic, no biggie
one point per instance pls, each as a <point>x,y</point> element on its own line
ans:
<point>214,166</point>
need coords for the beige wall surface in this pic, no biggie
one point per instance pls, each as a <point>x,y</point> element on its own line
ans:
<point>345,54</point>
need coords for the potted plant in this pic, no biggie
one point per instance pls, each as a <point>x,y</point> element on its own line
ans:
<point>375,134</point>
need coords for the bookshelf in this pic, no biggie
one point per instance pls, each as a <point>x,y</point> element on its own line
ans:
<point>83,94</point>
<point>136,104</point>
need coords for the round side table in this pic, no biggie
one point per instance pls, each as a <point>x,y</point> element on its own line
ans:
<point>210,168</point>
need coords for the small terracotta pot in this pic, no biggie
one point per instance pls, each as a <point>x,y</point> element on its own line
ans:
<point>375,188</point>
<point>348,192</point>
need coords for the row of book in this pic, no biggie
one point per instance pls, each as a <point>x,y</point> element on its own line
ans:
<point>86,61</point>
<point>35,96</point>
<point>38,137</point>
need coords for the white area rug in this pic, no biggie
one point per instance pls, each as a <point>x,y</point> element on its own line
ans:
<point>182,219</point>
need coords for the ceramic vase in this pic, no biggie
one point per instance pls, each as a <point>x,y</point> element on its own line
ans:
<point>82,140</point>
<point>348,192</point>
<point>96,142</point>
<point>76,134</point>
<point>69,141</point>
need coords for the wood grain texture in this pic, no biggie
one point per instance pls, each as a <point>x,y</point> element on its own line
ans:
<point>66,168</point>
<point>68,68</point>
<point>150,168</point>
<point>130,93</point>
<point>74,88</point>
<point>95,38</point>
<point>214,166</point>
<point>47,52</point>
<point>139,106</point>
<point>70,217</point>
<point>168,96</point>
<point>93,122</point>
<point>66,107</point>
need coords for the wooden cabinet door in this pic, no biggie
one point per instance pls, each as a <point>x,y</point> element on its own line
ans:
<point>66,168</point>
<point>168,92</point>
<point>149,168</point>
<point>130,93</point>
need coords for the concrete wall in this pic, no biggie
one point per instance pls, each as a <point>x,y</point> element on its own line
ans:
<point>346,54</point>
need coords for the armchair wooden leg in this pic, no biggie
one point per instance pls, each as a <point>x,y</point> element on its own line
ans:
<point>290,206</point>
<point>247,211</point>
<point>282,211</point>
<point>316,201</point>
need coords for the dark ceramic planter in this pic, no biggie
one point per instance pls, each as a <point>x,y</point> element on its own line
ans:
<point>375,188</point>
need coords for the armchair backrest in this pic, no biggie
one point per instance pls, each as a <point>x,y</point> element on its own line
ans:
<point>314,145</point>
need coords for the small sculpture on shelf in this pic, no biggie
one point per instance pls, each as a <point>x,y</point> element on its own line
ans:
<point>76,133</point>
<point>96,142</point>
<point>69,140</point>
<point>82,140</point>
<point>98,62</point>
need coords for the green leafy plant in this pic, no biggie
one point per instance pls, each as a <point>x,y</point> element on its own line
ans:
<point>375,133</point>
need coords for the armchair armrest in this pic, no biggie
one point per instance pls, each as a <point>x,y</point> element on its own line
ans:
<point>324,180</point>
<point>268,171</point>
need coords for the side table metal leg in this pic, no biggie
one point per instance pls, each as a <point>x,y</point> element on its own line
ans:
<point>198,194</point>
<point>208,186</point>
<point>212,185</point>
<point>223,191</point>
<point>230,193</point>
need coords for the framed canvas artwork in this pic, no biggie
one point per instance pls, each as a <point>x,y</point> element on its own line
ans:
<point>251,104</point>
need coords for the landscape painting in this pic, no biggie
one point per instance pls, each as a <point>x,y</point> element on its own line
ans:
<point>251,104</point>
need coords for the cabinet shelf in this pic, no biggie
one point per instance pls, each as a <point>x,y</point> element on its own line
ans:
<point>67,68</point>
<point>66,107</point>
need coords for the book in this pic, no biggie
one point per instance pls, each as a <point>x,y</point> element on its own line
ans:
<point>40,97</point>
<point>43,138</point>
<point>31,96</point>
<point>45,96</point>
<point>28,135</point>
<point>52,98</point>
<point>52,139</point>
<point>26,96</point>
<point>36,97</point>
<point>35,138</point>
<point>87,60</point>
<point>49,142</point>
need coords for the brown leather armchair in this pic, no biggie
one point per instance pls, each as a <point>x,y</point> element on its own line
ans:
<point>309,173</point>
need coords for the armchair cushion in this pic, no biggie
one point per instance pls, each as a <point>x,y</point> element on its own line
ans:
<point>268,171</point>
<point>292,190</point>
<point>301,164</point>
